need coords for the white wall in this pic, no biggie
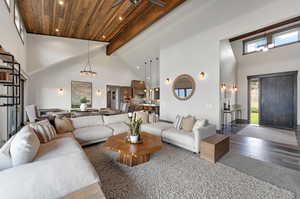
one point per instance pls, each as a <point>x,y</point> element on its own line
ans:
<point>189,41</point>
<point>281,59</point>
<point>228,72</point>
<point>57,61</point>
<point>11,42</point>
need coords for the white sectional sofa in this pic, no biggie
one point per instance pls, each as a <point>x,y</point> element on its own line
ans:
<point>61,168</point>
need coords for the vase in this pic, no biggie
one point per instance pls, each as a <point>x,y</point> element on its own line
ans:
<point>134,139</point>
<point>83,107</point>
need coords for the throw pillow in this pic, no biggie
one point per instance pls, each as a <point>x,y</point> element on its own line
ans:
<point>178,122</point>
<point>44,130</point>
<point>24,146</point>
<point>199,124</point>
<point>142,115</point>
<point>63,125</point>
<point>188,123</point>
<point>153,118</point>
<point>5,157</point>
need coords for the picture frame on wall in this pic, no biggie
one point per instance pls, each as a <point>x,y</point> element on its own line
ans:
<point>79,90</point>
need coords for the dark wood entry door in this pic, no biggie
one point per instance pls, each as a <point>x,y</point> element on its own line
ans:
<point>278,100</point>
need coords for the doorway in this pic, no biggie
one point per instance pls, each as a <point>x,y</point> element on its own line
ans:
<point>272,100</point>
<point>254,101</point>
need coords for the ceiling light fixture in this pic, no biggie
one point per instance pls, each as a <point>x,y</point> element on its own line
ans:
<point>120,18</point>
<point>87,69</point>
<point>103,37</point>
<point>61,3</point>
<point>57,30</point>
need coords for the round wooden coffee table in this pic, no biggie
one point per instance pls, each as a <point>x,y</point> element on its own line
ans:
<point>133,154</point>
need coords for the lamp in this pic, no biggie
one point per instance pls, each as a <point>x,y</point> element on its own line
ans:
<point>202,75</point>
<point>234,88</point>
<point>223,86</point>
<point>87,69</point>
<point>168,81</point>
<point>98,92</point>
<point>60,91</point>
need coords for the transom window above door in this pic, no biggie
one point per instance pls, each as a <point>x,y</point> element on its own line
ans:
<point>277,38</point>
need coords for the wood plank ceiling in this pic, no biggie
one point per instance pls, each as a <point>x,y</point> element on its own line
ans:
<point>70,18</point>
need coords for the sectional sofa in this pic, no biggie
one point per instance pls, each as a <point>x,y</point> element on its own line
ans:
<point>62,170</point>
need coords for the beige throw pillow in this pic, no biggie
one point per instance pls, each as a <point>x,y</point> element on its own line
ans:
<point>188,123</point>
<point>44,130</point>
<point>63,125</point>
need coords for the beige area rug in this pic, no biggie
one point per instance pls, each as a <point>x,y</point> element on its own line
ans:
<point>270,134</point>
<point>174,173</point>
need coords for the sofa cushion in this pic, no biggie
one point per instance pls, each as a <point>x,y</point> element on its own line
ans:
<point>88,121</point>
<point>24,146</point>
<point>58,147</point>
<point>5,157</point>
<point>156,128</point>
<point>199,124</point>
<point>179,137</point>
<point>91,134</point>
<point>48,179</point>
<point>115,118</point>
<point>118,128</point>
<point>63,125</point>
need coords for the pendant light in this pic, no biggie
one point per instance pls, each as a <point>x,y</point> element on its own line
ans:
<point>87,68</point>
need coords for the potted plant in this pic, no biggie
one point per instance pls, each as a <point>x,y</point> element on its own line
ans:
<point>83,104</point>
<point>134,127</point>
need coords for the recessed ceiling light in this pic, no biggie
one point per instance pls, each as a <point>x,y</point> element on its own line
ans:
<point>120,18</point>
<point>61,3</point>
<point>138,67</point>
<point>103,37</point>
<point>57,30</point>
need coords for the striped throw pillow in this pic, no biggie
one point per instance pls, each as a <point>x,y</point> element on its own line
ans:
<point>178,122</point>
<point>44,130</point>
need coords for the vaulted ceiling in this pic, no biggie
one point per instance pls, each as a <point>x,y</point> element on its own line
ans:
<point>70,18</point>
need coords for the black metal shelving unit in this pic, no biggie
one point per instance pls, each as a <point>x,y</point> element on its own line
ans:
<point>12,86</point>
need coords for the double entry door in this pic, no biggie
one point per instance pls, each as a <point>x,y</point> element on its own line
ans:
<point>277,99</point>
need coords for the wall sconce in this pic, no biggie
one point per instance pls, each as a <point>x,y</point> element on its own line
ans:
<point>223,86</point>
<point>60,91</point>
<point>202,75</point>
<point>168,81</point>
<point>98,92</point>
<point>234,88</point>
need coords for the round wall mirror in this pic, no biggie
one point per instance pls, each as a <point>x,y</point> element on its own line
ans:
<point>184,87</point>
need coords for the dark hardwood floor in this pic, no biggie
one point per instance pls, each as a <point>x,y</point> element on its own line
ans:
<point>281,154</point>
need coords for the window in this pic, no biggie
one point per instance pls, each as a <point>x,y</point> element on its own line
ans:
<point>7,2</point>
<point>255,45</point>
<point>19,23</point>
<point>269,40</point>
<point>287,37</point>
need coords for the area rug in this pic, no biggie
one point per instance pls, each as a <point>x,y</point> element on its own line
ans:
<point>270,134</point>
<point>178,174</point>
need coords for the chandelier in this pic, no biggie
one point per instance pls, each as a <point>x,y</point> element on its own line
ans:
<point>87,68</point>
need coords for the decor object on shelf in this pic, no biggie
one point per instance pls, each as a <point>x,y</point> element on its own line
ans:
<point>83,104</point>
<point>134,130</point>
<point>223,86</point>
<point>87,69</point>
<point>184,87</point>
<point>137,2</point>
<point>80,90</point>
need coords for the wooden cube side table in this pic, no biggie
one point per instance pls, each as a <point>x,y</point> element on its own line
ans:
<point>214,147</point>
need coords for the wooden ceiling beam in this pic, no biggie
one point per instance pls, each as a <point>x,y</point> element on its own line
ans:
<point>140,24</point>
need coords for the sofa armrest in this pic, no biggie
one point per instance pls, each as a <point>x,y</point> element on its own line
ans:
<point>48,179</point>
<point>203,133</point>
